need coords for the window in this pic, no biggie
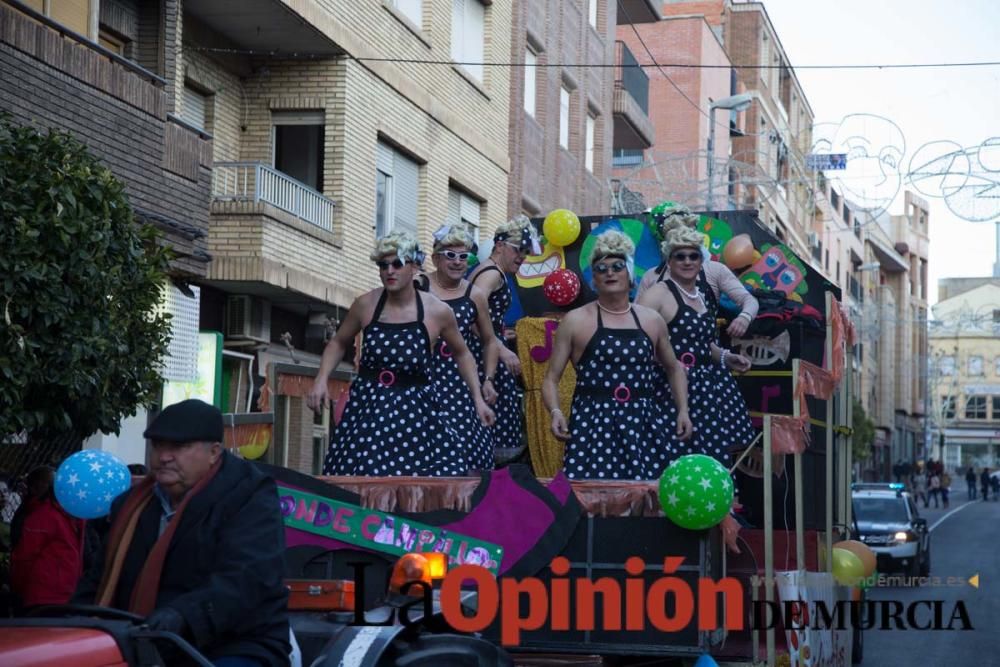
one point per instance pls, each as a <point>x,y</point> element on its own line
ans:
<point>948,407</point>
<point>463,209</point>
<point>530,82</point>
<point>320,438</point>
<point>588,157</point>
<point>592,13</point>
<point>396,185</point>
<point>947,364</point>
<point>194,106</point>
<point>995,400</point>
<point>975,407</point>
<point>298,145</point>
<point>626,157</point>
<point>111,41</point>
<point>564,96</point>
<point>468,20</point>
<point>411,9</point>
<point>74,14</point>
<point>996,366</point>
<point>975,365</point>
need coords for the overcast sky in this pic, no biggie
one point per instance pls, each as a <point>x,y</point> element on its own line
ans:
<point>934,104</point>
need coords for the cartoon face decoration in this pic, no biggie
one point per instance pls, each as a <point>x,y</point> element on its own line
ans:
<point>717,234</point>
<point>536,268</point>
<point>777,269</point>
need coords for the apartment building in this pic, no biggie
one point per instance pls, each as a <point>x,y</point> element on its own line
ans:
<point>675,167</point>
<point>334,122</point>
<point>892,355</point>
<point>964,378</point>
<point>103,70</point>
<point>566,117</point>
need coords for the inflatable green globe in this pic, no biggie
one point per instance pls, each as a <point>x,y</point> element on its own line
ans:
<point>696,492</point>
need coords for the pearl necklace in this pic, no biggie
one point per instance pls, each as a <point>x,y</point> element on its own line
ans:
<point>437,281</point>
<point>613,312</point>
<point>697,291</point>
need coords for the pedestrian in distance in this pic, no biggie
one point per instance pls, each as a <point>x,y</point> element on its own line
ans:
<point>934,483</point>
<point>919,484</point>
<point>984,483</point>
<point>945,488</point>
<point>970,480</point>
<point>995,487</point>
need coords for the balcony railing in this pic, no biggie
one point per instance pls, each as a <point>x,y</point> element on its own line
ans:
<point>630,77</point>
<point>257,182</point>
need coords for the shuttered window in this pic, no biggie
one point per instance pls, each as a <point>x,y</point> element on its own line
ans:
<point>468,20</point>
<point>194,107</point>
<point>463,209</point>
<point>396,191</point>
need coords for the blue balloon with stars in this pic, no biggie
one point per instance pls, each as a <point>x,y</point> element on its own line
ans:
<point>88,481</point>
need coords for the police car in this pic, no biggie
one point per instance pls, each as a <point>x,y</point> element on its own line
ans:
<point>887,520</point>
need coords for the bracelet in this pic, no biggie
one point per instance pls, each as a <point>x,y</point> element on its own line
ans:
<point>553,411</point>
<point>488,378</point>
<point>722,357</point>
<point>746,315</point>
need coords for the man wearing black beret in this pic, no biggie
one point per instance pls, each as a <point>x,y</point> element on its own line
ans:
<point>198,545</point>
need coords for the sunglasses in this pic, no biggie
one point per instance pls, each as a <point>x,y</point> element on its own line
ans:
<point>688,256</point>
<point>615,267</point>
<point>384,265</point>
<point>452,255</point>
<point>518,247</point>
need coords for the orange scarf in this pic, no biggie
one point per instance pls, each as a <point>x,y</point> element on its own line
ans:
<point>143,599</point>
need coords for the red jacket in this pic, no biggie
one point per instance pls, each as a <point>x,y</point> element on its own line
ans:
<point>48,560</point>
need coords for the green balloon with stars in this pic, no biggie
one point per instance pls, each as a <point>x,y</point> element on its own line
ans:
<point>696,492</point>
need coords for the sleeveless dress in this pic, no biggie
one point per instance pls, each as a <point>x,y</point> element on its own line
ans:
<point>715,404</point>
<point>618,428</point>
<point>457,406</point>
<point>508,431</point>
<point>392,424</point>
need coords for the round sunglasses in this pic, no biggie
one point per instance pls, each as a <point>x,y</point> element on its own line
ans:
<point>688,256</point>
<point>615,267</point>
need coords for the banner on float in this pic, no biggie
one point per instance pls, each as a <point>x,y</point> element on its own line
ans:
<point>382,532</point>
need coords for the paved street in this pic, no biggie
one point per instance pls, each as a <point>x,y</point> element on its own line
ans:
<point>963,543</point>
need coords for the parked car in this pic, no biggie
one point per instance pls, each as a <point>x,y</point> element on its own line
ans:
<point>887,520</point>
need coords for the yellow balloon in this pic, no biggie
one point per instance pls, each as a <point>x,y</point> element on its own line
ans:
<point>847,567</point>
<point>257,445</point>
<point>862,551</point>
<point>561,227</point>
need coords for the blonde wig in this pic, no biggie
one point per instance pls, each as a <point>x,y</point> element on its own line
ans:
<point>402,245</point>
<point>683,237</point>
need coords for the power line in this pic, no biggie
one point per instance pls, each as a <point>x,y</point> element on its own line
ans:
<point>277,53</point>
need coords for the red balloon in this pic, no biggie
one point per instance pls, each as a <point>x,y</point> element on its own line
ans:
<point>561,287</point>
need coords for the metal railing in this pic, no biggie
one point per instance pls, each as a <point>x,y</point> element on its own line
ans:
<point>257,182</point>
<point>630,77</point>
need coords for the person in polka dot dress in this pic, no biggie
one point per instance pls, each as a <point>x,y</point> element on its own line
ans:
<point>720,416</point>
<point>452,246</point>
<point>512,242</point>
<point>393,423</point>
<point>618,429</point>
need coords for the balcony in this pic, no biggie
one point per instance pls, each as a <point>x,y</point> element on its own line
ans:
<point>256,182</point>
<point>633,129</point>
<point>263,27</point>
<point>639,11</point>
<point>274,237</point>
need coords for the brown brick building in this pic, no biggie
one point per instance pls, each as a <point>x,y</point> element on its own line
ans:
<point>566,120</point>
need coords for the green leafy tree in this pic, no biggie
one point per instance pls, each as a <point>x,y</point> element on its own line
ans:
<point>864,433</point>
<point>80,336</point>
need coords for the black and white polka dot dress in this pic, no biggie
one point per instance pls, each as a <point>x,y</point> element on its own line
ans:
<point>618,429</point>
<point>392,424</point>
<point>509,408</point>
<point>453,394</point>
<point>715,405</point>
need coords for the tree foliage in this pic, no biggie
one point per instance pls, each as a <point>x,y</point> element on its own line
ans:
<point>864,433</point>
<point>80,337</point>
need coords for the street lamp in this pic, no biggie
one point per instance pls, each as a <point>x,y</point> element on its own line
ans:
<point>732,103</point>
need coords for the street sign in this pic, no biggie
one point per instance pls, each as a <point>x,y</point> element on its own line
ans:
<point>826,161</point>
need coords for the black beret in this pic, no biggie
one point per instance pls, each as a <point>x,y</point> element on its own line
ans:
<point>188,421</point>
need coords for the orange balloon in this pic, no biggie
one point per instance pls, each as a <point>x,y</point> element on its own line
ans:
<point>738,252</point>
<point>862,551</point>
